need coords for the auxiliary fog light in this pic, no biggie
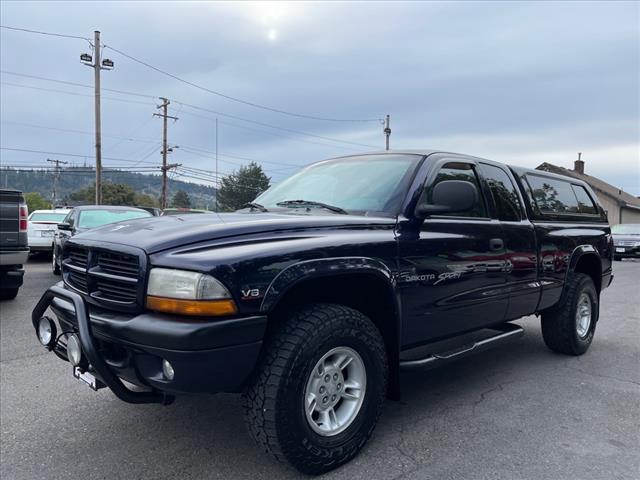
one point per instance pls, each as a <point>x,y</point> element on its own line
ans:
<point>47,332</point>
<point>167,370</point>
<point>74,350</point>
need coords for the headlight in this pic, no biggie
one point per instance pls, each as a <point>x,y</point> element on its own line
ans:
<point>187,293</point>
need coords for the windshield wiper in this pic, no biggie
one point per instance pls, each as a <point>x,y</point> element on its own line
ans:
<point>255,206</point>
<point>311,204</point>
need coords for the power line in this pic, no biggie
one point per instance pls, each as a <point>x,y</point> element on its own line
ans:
<point>195,85</point>
<point>50,34</point>
<point>77,155</point>
<point>196,107</point>
<point>263,124</point>
<point>82,132</point>
<point>200,87</point>
<point>75,84</point>
<point>235,99</point>
<point>44,89</point>
<point>187,148</point>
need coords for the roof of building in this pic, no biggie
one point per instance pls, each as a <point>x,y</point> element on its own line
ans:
<point>623,198</point>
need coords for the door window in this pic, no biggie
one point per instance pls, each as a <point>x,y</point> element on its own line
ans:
<point>503,192</point>
<point>464,172</point>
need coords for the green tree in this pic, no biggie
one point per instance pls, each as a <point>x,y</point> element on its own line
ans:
<point>35,201</point>
<point>242,186</point>
<point>181,200</point>
<point>112,194</point>
<point>145,200</point>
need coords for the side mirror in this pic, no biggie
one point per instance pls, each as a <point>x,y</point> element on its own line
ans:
<point>449,196</point>
<point>65,226</point>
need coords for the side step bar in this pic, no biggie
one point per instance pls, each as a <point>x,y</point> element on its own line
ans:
<point>504,333</point>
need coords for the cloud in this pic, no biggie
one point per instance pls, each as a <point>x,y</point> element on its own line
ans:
<point>517,82</point>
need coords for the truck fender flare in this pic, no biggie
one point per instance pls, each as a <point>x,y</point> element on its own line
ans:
<point>578,253</point>
<point>307,269</point>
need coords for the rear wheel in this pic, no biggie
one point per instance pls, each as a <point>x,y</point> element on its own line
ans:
<point>617,258</point>
<point>569,327</point>
<point>318,392</point>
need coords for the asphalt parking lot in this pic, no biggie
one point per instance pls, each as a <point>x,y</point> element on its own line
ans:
<point>515,412</point>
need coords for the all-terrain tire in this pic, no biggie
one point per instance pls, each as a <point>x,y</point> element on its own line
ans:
<point>560,329</point>
<point>274,402</point>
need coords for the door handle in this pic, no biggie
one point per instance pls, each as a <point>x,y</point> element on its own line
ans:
<point>496,244</point>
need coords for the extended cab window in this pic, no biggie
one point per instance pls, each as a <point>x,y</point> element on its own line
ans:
<point>503,192</point>
<point>585,202</point>
<point>553,196</point>
<point>464,172</point>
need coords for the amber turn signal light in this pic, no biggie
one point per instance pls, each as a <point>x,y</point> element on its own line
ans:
<point>203,308</point>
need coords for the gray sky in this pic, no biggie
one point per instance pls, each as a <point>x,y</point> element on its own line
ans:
<point>517,82</point>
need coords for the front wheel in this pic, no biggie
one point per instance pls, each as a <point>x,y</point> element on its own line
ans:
<point>319,390</point>
<point>569,327</point>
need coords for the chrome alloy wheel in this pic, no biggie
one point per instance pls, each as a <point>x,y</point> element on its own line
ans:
<point>583,315</point>
<point>335,391</point>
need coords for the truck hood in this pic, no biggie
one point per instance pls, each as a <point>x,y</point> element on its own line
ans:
<point>155,234</point>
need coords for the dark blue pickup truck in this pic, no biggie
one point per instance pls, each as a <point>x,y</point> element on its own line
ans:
<point>313,298</point>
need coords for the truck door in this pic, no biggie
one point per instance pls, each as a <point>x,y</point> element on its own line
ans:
<point>519,240</point>
<point>451,268</point>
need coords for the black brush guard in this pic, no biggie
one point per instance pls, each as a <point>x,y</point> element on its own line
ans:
<point>89,348</point>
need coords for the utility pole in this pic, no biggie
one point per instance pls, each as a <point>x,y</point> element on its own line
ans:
<point>387,131</point>
<point>165,149</point>
<point>217,183</point>
<point>97,65</point>
<point>56,175</point>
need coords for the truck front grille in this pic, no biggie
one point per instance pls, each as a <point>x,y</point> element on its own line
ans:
<point>78,257</point>
<point>77,281</point>
<point>119,264</point>
<point>111,279</point>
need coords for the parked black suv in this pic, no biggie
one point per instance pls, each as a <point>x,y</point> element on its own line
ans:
<point>310,300</point>
<point>14,248</point>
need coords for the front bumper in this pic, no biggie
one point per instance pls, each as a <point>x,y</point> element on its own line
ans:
<point>207,356</point>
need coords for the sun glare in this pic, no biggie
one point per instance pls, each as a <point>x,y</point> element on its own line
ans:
<point>272,16</point>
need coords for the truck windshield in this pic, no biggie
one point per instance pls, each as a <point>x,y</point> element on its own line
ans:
<point>366,183</point>
<point>97,218</point>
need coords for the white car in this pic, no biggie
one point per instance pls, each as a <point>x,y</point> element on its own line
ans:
<point>42,228</point>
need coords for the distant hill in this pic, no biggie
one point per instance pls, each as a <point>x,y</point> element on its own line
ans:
<point>75,178</point>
